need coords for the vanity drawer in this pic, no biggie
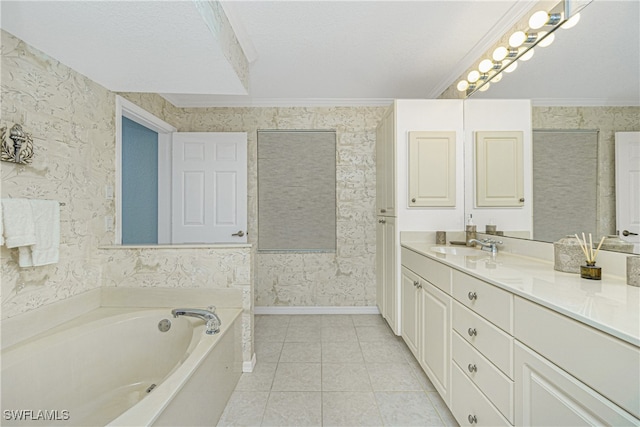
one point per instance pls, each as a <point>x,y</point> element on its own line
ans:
<point>493,383</point>
<point>605,363</point>
<point>433,271</point>
<point>489,340</point>
<point>487,300</point>
<point>469,406</point>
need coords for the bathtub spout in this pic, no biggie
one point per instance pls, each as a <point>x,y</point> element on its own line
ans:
<point>209,316</point>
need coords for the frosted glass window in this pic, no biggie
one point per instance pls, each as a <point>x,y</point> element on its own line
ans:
<point>296,191</point>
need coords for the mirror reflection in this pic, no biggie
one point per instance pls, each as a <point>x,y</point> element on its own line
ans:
<point>585,88</point>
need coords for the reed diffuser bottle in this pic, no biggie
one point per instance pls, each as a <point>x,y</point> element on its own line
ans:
<point>590,270</point>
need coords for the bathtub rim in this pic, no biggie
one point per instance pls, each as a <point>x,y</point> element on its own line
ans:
<point>146,411</point>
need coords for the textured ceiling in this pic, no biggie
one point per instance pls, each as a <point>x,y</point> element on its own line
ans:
<point>136,46</point>
<point>306,52</point>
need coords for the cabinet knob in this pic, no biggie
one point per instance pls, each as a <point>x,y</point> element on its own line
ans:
<point>416,283</point>
<point>472,419</point>
<point>472,332</point>
<point>472,296</point>
<point>413,200</point>
<point>383,210</point>
<point>472,368</point>
<point>522,200</point>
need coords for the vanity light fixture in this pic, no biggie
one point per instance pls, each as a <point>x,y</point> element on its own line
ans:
<point>521,43</point>
<point>527,55</point>
<point>542,18</point>
<point>571,22</point>
<point>485,65</point>
<point>547,39</point>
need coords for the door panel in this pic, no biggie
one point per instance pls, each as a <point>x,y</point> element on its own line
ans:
<point>628,186</point>
<point>209,200</point>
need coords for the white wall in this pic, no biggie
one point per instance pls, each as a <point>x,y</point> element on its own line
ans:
<point>498,115</point>
<point>428,115</point>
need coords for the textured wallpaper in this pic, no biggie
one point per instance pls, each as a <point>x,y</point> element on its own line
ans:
<point>343,278</point>
<point>607,120</point>
<point>71,119</point>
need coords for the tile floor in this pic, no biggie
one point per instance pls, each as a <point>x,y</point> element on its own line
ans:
<point>333,370</point>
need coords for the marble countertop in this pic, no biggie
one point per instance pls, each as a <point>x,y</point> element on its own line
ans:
<point>609,305</point>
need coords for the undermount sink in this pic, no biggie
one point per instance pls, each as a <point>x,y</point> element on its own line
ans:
<point>451,250</point>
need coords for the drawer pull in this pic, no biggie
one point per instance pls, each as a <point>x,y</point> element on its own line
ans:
<point>472,419</point>
<point>472,332</point>
<point>472,368</point>
<point>472,296</point>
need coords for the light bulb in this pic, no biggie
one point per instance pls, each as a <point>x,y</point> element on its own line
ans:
<point>485,65</point>
<point>485,87</point>
<point>512,67</point>
<point>496,78</point>
<point>517,39</point>
<point>527,56</point>
<point>500,53</point>
<point>547,40</point>
<point>538,19</point>
<point>571,22</point>
<point>473,76</point>
<point>463,85</point>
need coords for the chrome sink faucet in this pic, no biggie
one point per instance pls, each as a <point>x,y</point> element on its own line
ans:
<point>209,315</point>
<point>489,245</point>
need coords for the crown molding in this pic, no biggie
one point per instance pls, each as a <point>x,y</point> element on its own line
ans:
<point>584,102</point>
<point>504,24</point>
<point>215,101</point>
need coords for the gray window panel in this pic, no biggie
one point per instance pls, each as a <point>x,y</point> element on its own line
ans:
<point>296,191</point>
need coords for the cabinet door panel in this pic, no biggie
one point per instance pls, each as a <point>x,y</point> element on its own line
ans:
<point>380,265</point>
<point>548,396</point>
<point>390,163</point>
<point>432,169</point>
<point>499,169</point>
<point>576,347</point>
<point>391,287</point>
<point>435,355</point>
<point>409,308</point>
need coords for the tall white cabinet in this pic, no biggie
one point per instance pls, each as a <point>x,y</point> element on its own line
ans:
<point>408,198</point>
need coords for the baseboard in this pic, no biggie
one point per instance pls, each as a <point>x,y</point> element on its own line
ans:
<point>316,310</point>
<point>248,366</point>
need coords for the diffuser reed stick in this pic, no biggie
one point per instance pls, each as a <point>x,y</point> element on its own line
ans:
<point>587,248</point>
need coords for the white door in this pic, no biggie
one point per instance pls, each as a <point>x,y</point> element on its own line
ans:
<point>628,186</point>
<point>209,187</point>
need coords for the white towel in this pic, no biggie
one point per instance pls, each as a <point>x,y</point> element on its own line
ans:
<point>46,218</point>
<point>19,229</point>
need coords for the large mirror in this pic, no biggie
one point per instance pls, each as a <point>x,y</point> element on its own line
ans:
<point>584,88</point>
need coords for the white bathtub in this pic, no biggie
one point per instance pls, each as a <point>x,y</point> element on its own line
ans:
<point>96,369</point>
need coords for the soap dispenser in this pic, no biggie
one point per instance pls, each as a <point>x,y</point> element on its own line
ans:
<point>470,231</point>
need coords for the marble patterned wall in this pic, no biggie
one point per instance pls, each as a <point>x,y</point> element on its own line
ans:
<point>607,120</point>
<point>71,120</point>
<point>343,278</point>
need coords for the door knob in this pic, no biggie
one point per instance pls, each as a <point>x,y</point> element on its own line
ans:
<point>239,233</point>
<point>472,332</point>
<point>628,233</point>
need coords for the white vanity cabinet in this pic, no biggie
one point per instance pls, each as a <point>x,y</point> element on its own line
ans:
<point>426,317</point>
<point>386,241</point>
<point>509,360</point>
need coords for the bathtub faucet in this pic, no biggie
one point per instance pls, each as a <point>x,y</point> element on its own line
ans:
<point>209,316</point>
